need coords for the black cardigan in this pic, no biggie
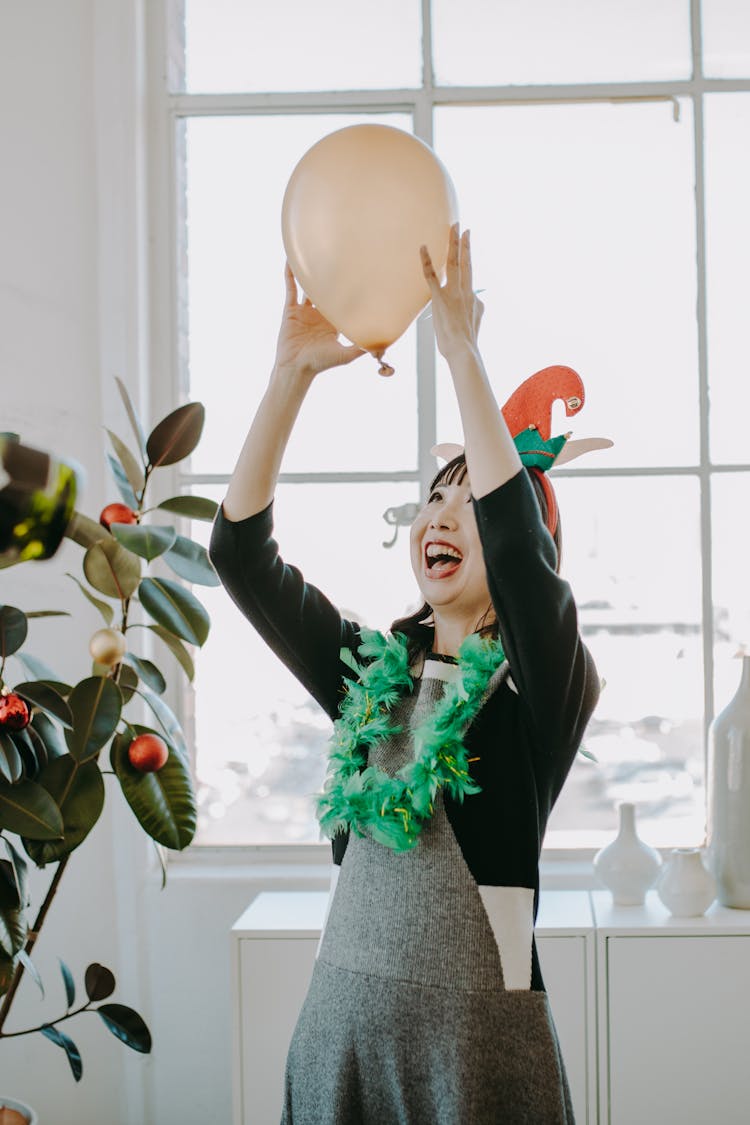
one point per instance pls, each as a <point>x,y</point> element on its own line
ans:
<point>524,740</point>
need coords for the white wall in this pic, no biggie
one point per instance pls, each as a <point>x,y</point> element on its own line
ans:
<point>73,313</point>
<point>50,377</point>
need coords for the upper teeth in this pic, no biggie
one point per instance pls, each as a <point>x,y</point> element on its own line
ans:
<point>434,549</point>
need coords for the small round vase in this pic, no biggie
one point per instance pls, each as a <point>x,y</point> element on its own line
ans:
<point>627,866</point>
<point>685,886</point>
<point>10,1110</point>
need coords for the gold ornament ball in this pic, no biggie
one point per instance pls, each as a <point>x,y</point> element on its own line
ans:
<point>107,646</point>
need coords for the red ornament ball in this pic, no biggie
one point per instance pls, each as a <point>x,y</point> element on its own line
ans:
<point>148,752</point>
<point>14,712</point>
<point>117,513</point>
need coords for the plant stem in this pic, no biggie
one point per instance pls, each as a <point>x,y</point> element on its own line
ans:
<point>48,1023</point>
<point>31,940</point>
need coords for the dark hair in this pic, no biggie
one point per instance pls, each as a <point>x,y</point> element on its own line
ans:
<point>414,627</point>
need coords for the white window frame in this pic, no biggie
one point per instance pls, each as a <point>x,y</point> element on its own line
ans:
<point>165,110</point>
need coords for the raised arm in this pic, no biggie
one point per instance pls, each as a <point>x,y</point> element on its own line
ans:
<point>551,667</point>
<point>491,456</point>
<point>307,345</point>
<point>299,623</point>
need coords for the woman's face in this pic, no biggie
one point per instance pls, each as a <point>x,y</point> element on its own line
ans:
<point>446,552</point>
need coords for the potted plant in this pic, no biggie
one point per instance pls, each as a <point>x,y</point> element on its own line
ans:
<point>58,740</point>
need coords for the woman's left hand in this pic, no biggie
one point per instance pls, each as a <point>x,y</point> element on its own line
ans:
<point>456,309</point>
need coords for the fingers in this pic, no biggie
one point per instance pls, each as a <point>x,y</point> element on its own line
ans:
<point>428,269</point>
<point>454,252</point>
<point>466,272</point>
<point>291,287</point>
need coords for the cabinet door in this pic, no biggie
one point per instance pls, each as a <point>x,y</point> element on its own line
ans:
<point>678,1030</point>
<point>563,962</point>
<point>274,978</point>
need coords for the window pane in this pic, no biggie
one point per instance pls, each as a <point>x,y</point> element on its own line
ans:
<point>237,171</point>
<point>231,45</point>
<point>632,555</point>
<point>583,235</point>
<point>727,119</point>
<point>260,740</point>
<point>502,42</point>
<point>730,504</point>
<point>726,38</point>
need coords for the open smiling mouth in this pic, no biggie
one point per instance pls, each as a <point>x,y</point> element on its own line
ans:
<point>441,560</point>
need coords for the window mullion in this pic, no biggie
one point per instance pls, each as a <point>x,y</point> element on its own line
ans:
<point>703,390</point>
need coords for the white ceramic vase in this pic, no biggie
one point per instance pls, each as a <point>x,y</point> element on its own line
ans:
<point>26,1111</point>
<point>728,810</point>
<point>627,866</point>
<point>685,886</point>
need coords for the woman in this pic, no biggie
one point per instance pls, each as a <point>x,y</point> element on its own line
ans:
<point>427,1003</point>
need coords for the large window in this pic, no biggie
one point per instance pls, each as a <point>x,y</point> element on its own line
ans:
<point>599,154</point>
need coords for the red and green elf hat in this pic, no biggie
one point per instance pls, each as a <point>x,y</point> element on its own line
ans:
<point>528,414</point>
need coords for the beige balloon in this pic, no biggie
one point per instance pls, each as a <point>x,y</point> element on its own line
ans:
<point>357,207</point>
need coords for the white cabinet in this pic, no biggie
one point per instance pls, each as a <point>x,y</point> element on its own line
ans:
<point>273,953</point>
<point>674,1013</point>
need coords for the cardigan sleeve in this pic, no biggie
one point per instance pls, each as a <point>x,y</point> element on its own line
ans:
<point>551,667</point>
<point>298,622</point>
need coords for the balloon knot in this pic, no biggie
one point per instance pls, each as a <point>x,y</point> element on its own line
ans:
<point>386,369</point>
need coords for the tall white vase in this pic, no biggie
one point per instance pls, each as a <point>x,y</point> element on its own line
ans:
<point>627,866</point>
<point>728,785</point>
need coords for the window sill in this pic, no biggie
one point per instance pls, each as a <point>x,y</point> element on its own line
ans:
<point>308,865</point>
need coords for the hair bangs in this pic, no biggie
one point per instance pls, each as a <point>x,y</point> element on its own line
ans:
<point>453,473</point>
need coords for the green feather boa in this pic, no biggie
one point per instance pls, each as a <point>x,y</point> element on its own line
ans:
<point>365,799</point>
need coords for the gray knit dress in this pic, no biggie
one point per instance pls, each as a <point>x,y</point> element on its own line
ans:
<point>407,1019</point>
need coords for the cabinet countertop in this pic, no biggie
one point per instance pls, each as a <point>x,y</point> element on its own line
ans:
<point>300,914</point>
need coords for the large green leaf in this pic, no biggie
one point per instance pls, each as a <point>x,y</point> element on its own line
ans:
<point>28,810</point>
<point>127,682</point>
<point>163,800</point>
<point>127,1025</point>
<point>190,560</point>
<point>47,699</point>
<point>106,610</point>
<point>111,569</point>
<point>145,540</point>
<point>134,419</point>
<point>67,1044</point>
<point>11,765</point>
<point>177,648</point>
<point>177,435</point>
<point>13,630</point>
<point>147,671</point>
<point>36,666</point>
<point>170,727</point>
<point>32,750</point>
<point>70,987</point>
<point>133,471</point>
<point>13,901</point>
<point>50,734</point>
<point>99,981</point>
<point>96,704</point>
<point>7,970</point>
<point>13,924</point>
<point>85,531</point>
<point>174,607</point>
<point>78,791</point>
<point>32,970</point>
<point>192,507</point>
<point>123,484</point>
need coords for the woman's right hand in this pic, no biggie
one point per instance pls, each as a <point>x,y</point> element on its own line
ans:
<point>308,343</point>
